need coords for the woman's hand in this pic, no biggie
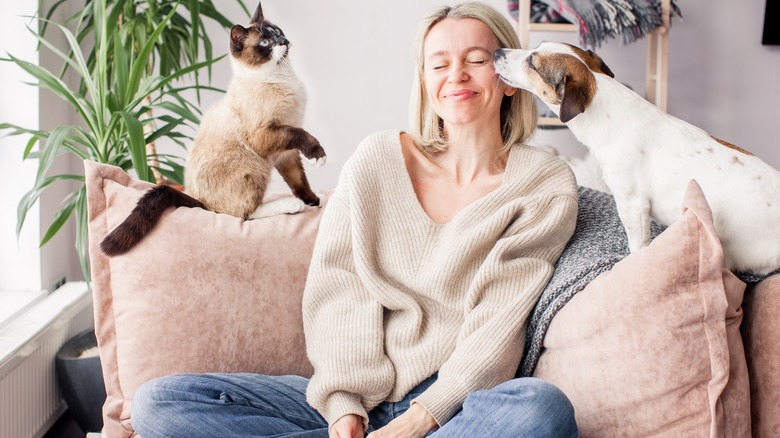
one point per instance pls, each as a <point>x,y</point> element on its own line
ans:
<point>416,422</point>
<point>348,426</point>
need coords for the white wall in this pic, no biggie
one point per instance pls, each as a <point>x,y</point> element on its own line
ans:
<point>355,59</point>
<point>24,266</point>
<point>19,261</point>
<point>720,76</point>
<point>58,256</point>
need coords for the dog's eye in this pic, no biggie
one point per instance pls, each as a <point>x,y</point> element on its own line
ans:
<point>531,62</point>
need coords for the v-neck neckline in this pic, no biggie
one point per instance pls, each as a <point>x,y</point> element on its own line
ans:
<point>411,193</point>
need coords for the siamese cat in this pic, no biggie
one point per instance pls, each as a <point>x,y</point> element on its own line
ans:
<point>255,127</point>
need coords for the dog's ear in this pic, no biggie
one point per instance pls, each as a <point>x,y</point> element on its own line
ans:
<point>574,98</point>
<point>593,61</point>
<point>598,65</point>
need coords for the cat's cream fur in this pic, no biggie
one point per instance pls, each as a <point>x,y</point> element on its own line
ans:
<point>254,128</point>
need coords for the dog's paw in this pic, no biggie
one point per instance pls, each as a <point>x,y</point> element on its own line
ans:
<point>635,245</point>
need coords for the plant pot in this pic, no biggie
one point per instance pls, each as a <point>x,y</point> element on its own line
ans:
<point>81,381</point>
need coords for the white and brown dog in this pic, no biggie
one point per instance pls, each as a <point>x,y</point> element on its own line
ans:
<point>648,157</point>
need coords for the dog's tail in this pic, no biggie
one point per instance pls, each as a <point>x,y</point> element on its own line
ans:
<point>144,218</point>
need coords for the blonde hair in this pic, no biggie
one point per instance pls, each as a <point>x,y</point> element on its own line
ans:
<point>518,112</point>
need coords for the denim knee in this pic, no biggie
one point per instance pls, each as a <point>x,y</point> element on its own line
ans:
<point>548,396</point>
<point>154,409</point>
<point>145,401</point>
<point>528,407</point>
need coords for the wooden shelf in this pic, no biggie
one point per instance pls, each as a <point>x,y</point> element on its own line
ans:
<point>552,27</point>
<point>550,121</point>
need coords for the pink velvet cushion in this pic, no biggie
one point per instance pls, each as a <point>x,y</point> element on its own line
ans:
<point>652,347</point>
<point>203,292</point>
<point>763,355</point>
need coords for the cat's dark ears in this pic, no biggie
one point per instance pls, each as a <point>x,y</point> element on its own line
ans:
<point>257,17</point>
<point>238,34</point>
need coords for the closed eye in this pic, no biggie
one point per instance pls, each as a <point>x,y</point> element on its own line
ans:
<point>531,62</point>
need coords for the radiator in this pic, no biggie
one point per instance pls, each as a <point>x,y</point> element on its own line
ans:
<point>30,400</point>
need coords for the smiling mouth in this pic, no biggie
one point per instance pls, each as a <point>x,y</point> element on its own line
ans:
<point>461,93</point>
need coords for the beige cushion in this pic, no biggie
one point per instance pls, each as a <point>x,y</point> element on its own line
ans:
<point>762,344</point>
<point>652,347</point>
<point>203,292</point>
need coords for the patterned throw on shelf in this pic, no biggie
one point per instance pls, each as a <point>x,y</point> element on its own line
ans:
<point>598,20</point>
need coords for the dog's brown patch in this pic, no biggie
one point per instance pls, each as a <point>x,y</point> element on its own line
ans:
<point>569,78</point>
<point>731,146</point>
<point>593,61</point>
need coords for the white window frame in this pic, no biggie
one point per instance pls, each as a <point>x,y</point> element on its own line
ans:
<point>29,273</point>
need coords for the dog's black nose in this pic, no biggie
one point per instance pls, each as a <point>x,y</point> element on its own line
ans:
<point>499,54</point>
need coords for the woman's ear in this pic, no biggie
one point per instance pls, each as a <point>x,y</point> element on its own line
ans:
<point>509,91</point>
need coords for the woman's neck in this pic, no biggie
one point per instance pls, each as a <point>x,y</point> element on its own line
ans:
<point>471,154</point>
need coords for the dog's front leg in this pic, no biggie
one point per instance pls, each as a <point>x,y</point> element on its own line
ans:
<point>635,215</point>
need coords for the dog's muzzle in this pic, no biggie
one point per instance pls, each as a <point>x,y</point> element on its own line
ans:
<point>500,65</point>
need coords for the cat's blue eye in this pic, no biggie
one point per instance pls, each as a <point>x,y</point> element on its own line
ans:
<point>264,43</point>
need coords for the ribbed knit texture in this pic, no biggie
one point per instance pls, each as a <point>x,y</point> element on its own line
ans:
<point>393,297</point>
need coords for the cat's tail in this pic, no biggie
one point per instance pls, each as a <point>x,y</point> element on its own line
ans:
<point>144,217</point>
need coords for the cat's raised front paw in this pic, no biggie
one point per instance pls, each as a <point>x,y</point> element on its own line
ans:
<point>316,161</point>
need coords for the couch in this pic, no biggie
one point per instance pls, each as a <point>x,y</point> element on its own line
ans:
<point>662,342</point>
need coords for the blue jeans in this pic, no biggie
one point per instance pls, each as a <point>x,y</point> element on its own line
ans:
<point>253,405</point>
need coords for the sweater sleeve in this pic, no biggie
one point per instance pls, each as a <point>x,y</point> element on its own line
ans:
<point>343,325</point>
<point>500,298</point>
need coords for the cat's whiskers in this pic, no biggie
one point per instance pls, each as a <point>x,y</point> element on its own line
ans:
<point>285,64</point>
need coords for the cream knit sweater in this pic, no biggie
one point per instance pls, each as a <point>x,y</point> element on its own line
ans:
<point>393,297</point>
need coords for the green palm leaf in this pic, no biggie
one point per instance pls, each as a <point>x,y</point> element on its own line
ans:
<point>128,56</point>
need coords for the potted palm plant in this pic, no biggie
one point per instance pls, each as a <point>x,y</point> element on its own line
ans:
<point>129,95</point>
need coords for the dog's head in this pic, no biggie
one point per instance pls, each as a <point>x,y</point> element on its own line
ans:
<point>560,74</point>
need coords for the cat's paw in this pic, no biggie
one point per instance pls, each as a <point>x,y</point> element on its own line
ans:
<point>316,161</point>
<point>286,205</point>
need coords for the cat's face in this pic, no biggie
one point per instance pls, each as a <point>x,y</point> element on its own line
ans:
<point>259,43</point>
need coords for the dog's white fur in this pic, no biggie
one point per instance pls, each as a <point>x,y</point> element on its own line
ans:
<point>648,157</point>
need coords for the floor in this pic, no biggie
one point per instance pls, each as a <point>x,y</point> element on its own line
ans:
<point>65,427</point>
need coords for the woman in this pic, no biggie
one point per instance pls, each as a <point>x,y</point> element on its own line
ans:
<point>430,256</point>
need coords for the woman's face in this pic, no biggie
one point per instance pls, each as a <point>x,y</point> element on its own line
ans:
<point>462,85</point>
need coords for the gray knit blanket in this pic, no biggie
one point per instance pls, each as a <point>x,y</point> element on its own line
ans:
<point>599,20</point>
<point>598,243</point>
